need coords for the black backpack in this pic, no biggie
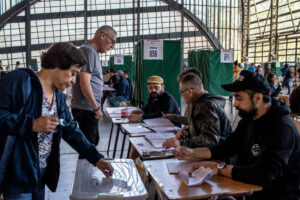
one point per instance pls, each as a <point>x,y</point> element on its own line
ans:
<point>289,74</point>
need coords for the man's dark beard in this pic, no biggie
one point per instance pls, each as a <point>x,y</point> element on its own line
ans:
<point>246,114</point>
<point>155,95</point>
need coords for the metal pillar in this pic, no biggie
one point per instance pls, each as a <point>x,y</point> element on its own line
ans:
<point>245,28</point>
<point>273,31</point>
<point>28,34</point>
<point>85,20</point>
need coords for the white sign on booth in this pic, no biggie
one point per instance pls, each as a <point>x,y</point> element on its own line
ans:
<point>226,55</point>
<point>118,60</point>
<point>104,63</point>
<point>153,49</point>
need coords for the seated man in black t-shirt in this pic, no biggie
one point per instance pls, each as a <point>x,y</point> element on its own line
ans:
<point>159,102</point>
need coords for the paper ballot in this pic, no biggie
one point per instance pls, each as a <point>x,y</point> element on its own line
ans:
<point>198,177</point>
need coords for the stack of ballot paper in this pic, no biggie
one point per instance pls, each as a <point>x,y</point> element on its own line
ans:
<point>197,178</point>
<point>160,125</point>
<point>157,139</point>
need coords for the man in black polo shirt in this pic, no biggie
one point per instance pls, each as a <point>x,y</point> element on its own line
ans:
<point>266,142</point>
<point>159,101</point>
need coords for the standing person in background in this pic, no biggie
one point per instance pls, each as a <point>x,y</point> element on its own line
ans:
<point>251,67</point>
<point>32,106</point>
<point>18,65</point>
<point>236,70</point>
<point>271,80</point>
<point>7,68</point>
<point>259,70</point>
<point>287,75</point>
<point>88,90</point>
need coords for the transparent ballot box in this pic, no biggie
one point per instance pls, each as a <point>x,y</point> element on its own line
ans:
<point>89,182</point>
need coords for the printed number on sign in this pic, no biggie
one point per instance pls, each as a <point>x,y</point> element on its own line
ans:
<point>153,53</point>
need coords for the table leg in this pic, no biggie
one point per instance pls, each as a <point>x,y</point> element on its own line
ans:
<point>116,141</point>
<point>111,131</point>
<point>123,143</point>
<point>129,147</point>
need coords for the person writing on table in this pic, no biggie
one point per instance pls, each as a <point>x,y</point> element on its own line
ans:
<point>266,142</point>
<point>34,117</point>
<point>208,122</point>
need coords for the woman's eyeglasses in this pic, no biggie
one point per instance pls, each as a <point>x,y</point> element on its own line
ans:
<point>61,121</point>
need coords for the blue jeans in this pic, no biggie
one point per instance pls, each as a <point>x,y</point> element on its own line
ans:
<point>36,195</point>
<point>286,83</point>
<point>113,101</point>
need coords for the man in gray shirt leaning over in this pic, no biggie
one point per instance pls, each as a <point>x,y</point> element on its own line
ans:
<point>88,90</point>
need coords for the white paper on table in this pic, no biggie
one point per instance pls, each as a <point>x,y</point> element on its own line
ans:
<point>175,166</point>
<point>159,136</point>
<point>165,129</point>
<point>158,122</point>
<point>199,176</point>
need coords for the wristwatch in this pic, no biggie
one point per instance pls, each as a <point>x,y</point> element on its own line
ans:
<point>220,166</point>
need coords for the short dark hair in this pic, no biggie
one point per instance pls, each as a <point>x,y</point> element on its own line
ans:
<point>189,70</point>
<point>125,71</point>
<point>111,70</point>
<point>298,70</point>
<point>193,79</point>
<point>18,62</point>
<point>62,55</point>
<point>266,98</point>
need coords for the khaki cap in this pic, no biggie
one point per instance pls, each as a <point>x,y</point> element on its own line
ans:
<point>155,79</point>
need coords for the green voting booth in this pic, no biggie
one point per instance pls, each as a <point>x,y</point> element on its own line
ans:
<point>161,58</point>
<point>275,66</point>
<point>216,68</point>
<point>122,62</point>
<point>105,65</point>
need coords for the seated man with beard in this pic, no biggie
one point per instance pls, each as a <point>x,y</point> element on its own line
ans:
<point>159,102</point>
<point>266,143</point>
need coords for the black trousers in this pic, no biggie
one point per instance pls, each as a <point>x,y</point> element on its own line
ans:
<point>88,124</point>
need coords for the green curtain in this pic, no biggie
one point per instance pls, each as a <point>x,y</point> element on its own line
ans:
<point>219,73</point>
<point>105,68</point>
<point>214,73</point>
<point>138,84</point>
<point>168,68</point>
<point>200,60</point>
<point>277,70</point>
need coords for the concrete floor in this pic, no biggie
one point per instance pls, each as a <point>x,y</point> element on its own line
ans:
<point>69,157</point>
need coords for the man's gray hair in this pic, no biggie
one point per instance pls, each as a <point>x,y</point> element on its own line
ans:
<point>192,79</point>
<point>105,29</point>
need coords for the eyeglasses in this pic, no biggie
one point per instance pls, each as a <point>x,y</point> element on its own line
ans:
<point>113,42</point>
<point>61,121</point>
<point>181,92</point>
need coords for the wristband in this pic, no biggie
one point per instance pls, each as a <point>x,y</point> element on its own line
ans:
<point>95,110</point>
